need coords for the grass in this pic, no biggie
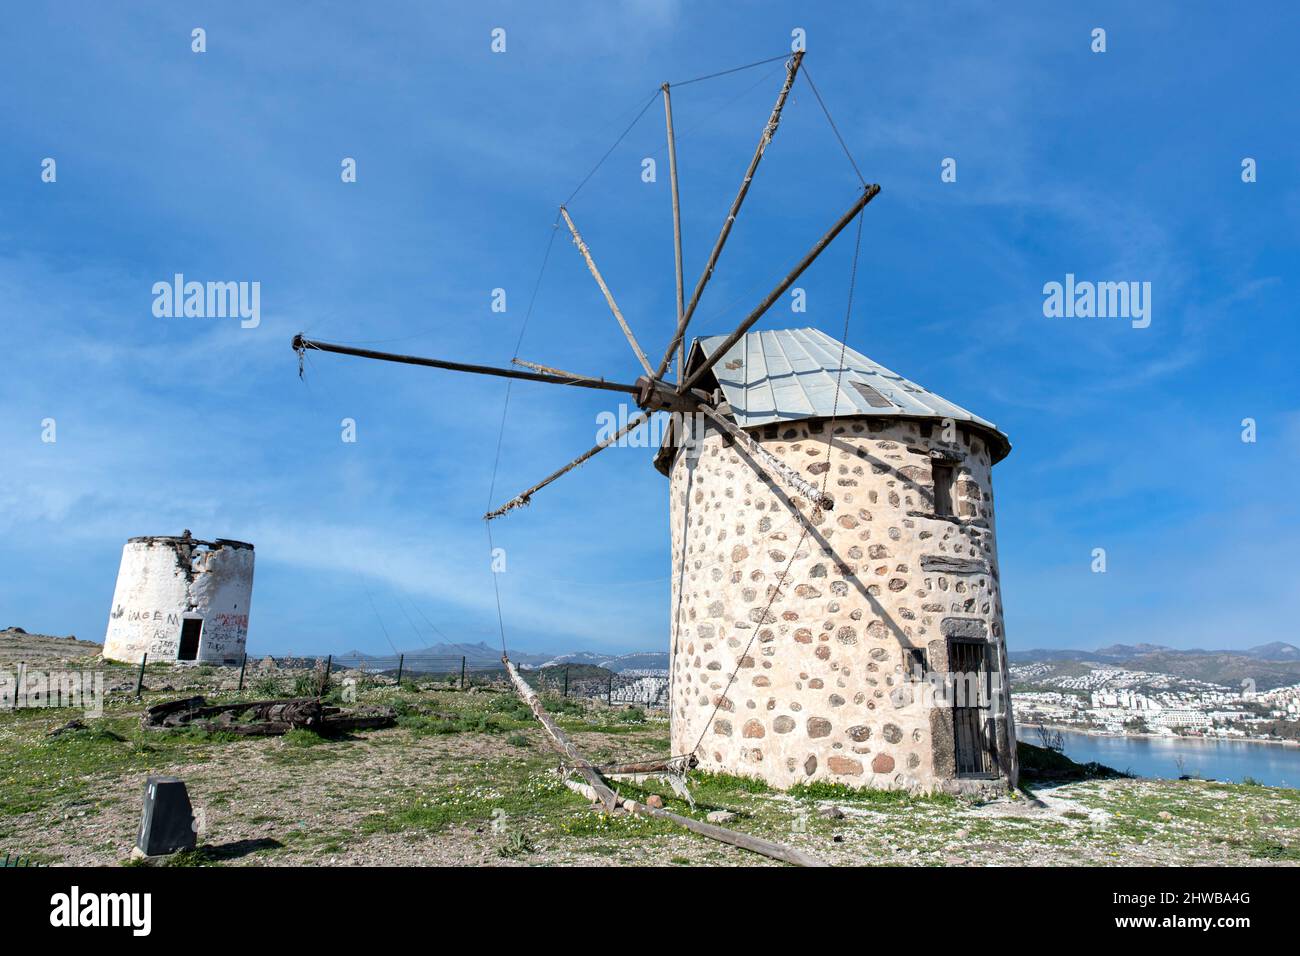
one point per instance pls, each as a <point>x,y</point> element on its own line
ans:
<point>517,844</point>
<point>1266,850</point>
<point>840,793</point>
<point>462,771</point>
<point>1040,765</point>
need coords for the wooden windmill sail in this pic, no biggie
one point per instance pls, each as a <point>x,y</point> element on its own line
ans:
<point>655,390</point>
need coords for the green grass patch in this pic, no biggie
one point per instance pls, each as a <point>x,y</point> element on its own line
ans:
<point>1269,850</point>
<point>1039,764</point>
<point>841,793</point>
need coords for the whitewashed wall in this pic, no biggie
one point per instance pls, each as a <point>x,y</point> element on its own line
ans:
<point>164,579</point>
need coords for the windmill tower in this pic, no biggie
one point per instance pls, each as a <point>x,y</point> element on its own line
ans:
<point>805,642</point>
<point>182,599</point>
<point>832,533</point>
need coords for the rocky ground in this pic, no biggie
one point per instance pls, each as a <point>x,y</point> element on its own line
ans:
<point>469,778</point>
<point>17,645</point>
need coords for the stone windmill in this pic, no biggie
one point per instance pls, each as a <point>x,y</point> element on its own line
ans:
<point>836,612</point>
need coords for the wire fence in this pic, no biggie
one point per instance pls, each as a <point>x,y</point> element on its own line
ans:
<point>462,671</point>
<point>644,688</point>
<point>640,688</point>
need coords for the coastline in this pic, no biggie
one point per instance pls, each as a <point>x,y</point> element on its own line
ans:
<point>1127,736</point>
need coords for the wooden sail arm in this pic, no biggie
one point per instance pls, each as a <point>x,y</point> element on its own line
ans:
<point>677,222</point>
<point>597,789</point>
<point>609,296</point>
<point>788,476</point>
<point>561,741</point>
<point>554,371</point>
<point>773,121</point>
<point>524,497</point>
<point>301,344</point>
<point>809,258</point>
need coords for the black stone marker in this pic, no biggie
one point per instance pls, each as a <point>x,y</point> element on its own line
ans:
<point>167,825</point>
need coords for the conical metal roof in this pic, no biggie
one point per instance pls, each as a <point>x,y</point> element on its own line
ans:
<point>789,374</point>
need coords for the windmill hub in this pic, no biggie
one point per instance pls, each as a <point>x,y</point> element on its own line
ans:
<point>655,395</point>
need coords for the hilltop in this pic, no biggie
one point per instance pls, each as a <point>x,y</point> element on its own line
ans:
<point>468,778</point>
<point>1276,664</point>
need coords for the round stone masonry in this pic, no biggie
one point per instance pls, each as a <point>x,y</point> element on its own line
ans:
<point>828,619</point>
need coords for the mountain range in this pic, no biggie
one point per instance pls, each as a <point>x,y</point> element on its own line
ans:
<point>1126,653</point>
<point>482,654</point>
<point>1276,664</point>
<point>1270,665</point>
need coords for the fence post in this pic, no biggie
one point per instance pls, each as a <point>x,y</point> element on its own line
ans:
<point>610,698</point>
<point>401,660</point>
<point>566,680</point>
<point>462,673</point>
<point>20,678</point>
<point>139,680</point>
<point>329,666</point>
<point>242,665</point>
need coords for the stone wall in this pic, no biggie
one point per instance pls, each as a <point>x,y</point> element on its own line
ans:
<point>163,580</point>
<point>823,691</point>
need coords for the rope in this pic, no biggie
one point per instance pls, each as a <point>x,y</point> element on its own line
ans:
<point>734,69</point>
<point>830,439</point>
<point>654,96</point>
<point>371,599</point>
<point>835,129</point>
<point>501,433</point>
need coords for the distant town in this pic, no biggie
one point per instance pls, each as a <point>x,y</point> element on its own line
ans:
<point>1150,690</point>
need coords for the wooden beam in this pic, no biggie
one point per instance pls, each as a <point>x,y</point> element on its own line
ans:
<point>547,370</point>
<point>562,742</point>
<point>775,851</point>
<point>788,475</point>
<point>868,194</point>
<point>598,791</point>
<point>773,121</point>
<point>524,497</point>
<point>609,296</point>
<point>689,762</point>
<point>677,222</point>
<point>301,344</point>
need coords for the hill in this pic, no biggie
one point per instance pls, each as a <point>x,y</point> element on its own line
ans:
<point>1269,665</point>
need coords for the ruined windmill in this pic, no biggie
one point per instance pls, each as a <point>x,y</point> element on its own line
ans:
<point>833,543</point>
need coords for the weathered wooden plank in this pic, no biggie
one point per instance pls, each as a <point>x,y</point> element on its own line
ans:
<point>788,475</point>
<point>773,121</point>
<point>523,498</point>
<point>301,343</point>
<point>609,296</point>
<point>868,194</point>
<point>599,788</point>
<point>677,223</point>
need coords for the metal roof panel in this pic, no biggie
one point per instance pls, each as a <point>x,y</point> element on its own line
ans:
<point>789,374</point>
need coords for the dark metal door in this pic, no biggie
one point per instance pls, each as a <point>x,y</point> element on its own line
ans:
<point>974,733</point>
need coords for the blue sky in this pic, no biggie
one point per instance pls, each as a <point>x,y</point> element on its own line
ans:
<point>1123,166</point>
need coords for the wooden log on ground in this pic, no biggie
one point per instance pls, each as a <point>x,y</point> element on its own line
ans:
<point>599,788</point>
<point>754,844</point>
<point>263,718</point>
